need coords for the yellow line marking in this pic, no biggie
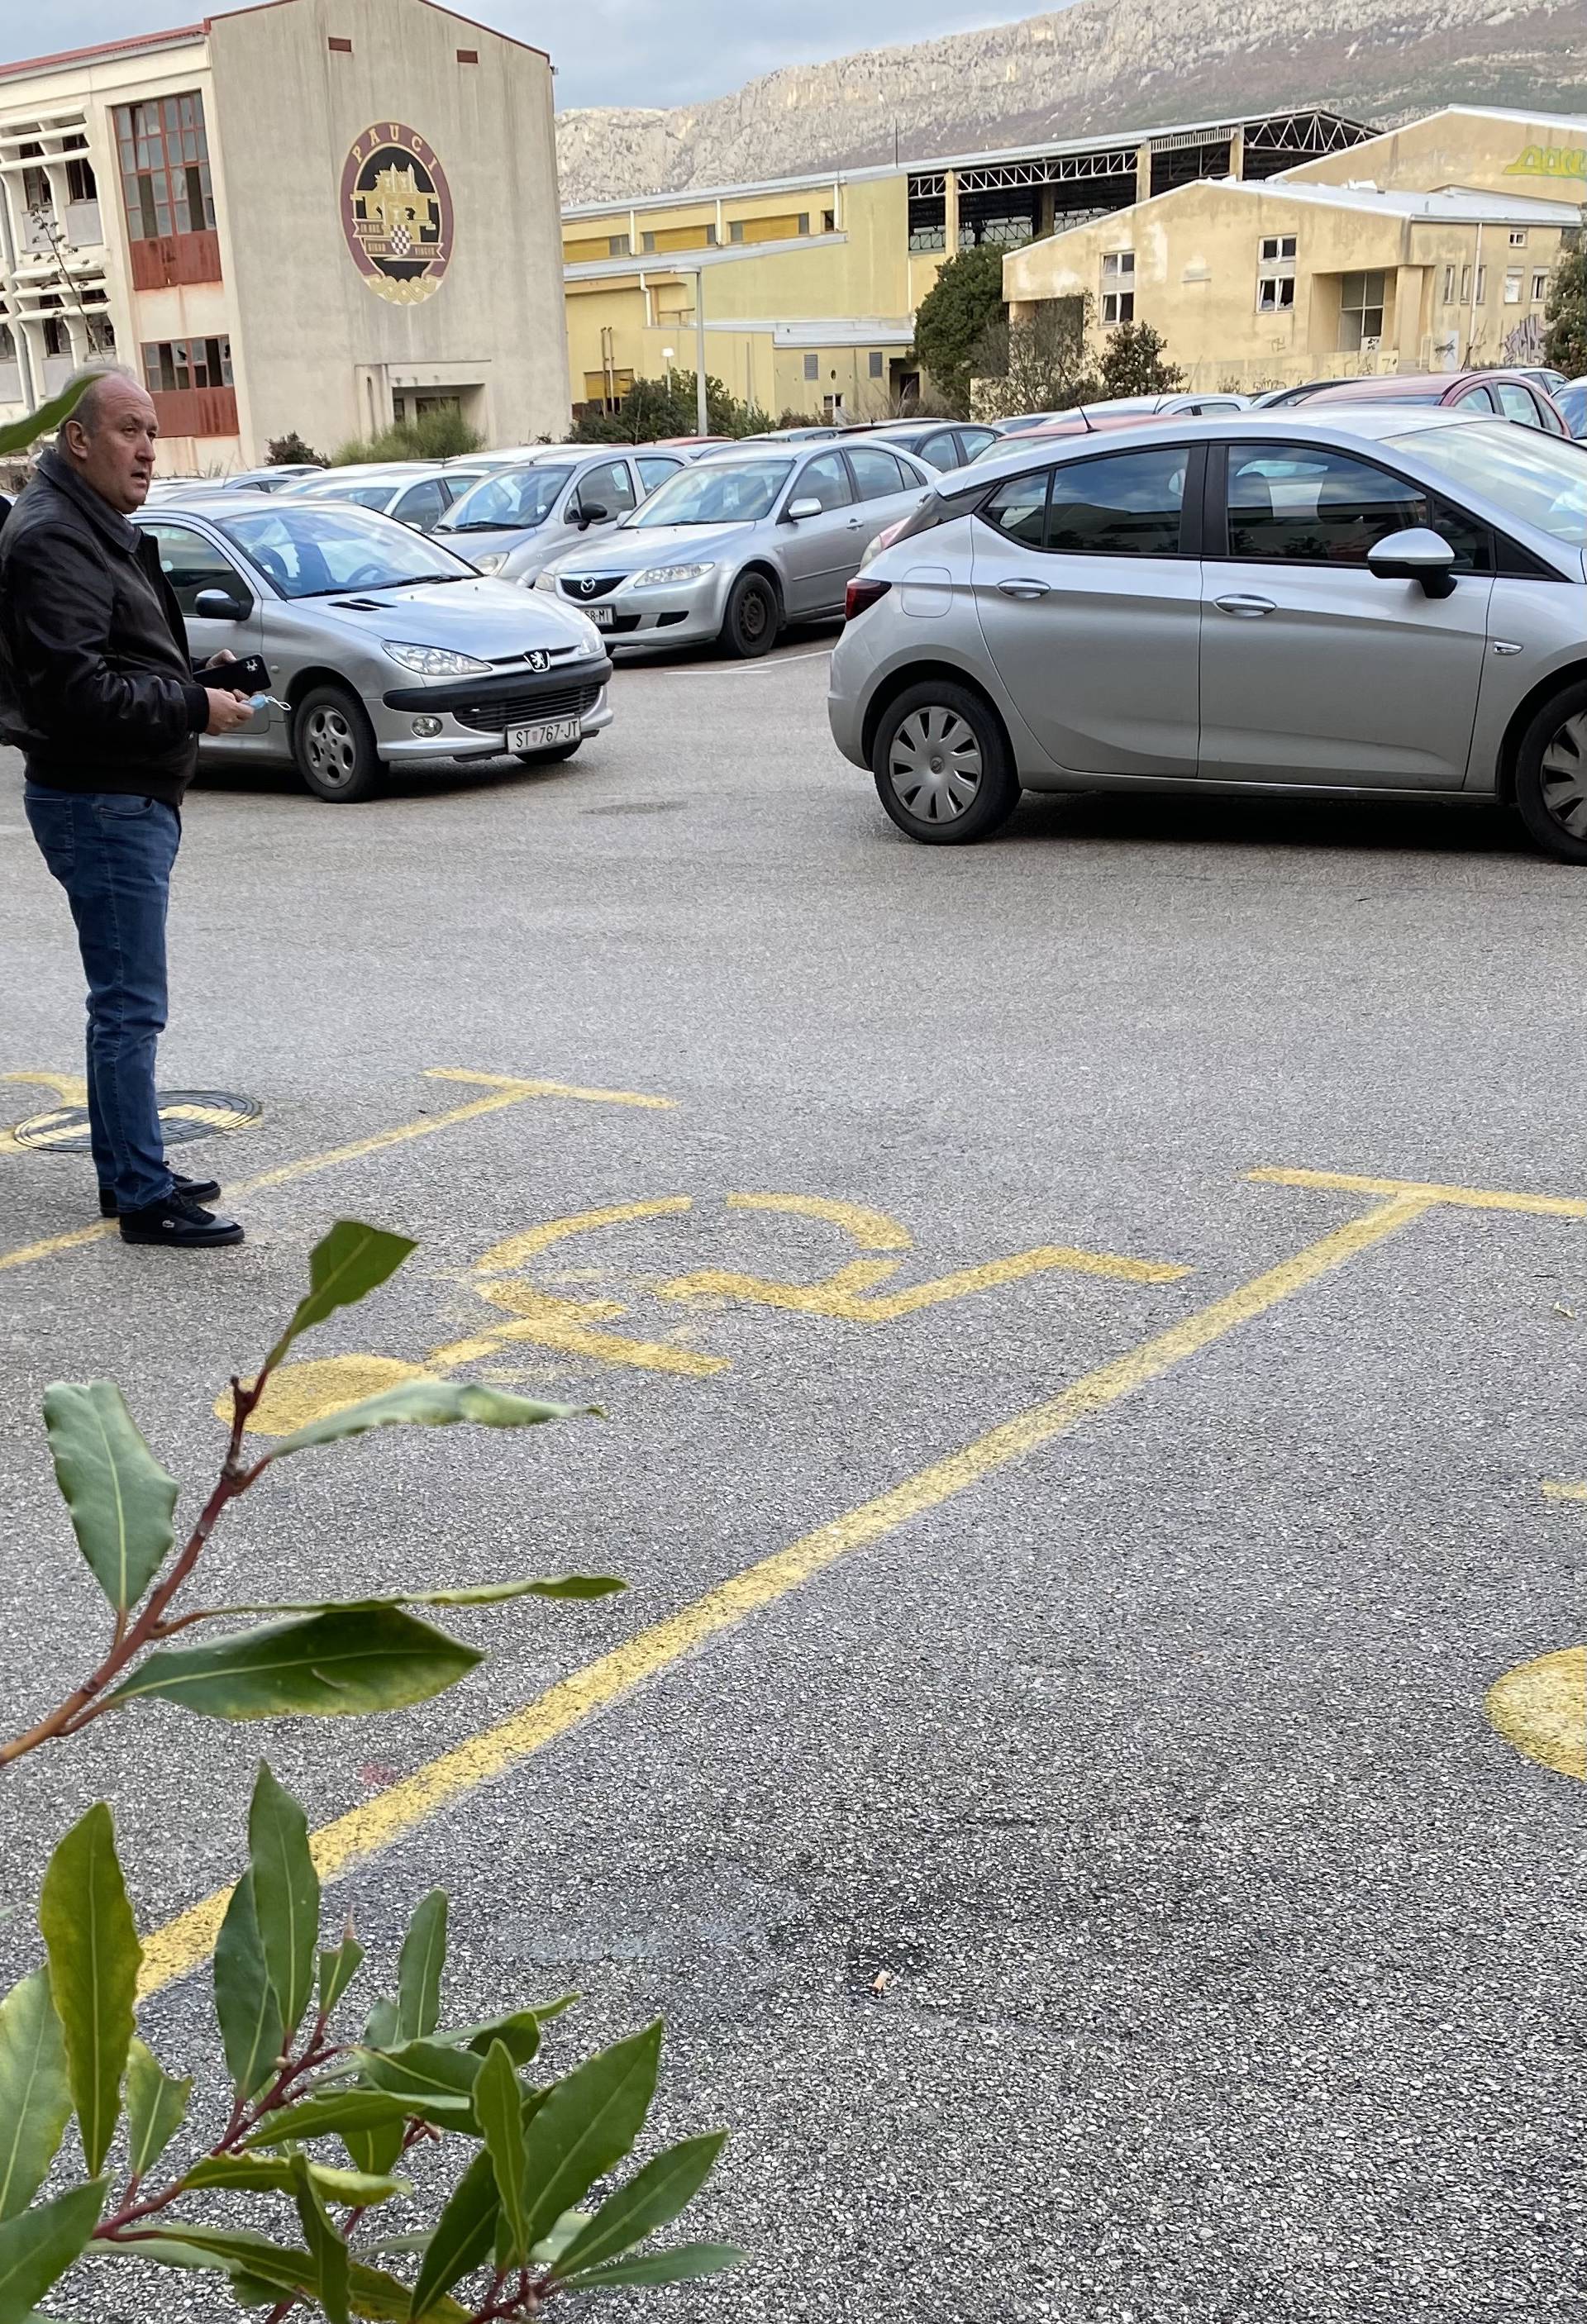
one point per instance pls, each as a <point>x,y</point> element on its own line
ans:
<point>70,1088</point>
<point>179,1946</point>
<point>1554,1488</point>
<point>507,1092</point>
<point>1469,1198</point>
<point>1541,1707</point>
<point>872,1230</point>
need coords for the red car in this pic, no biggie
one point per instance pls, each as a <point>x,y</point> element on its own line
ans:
<point>1510,393</point>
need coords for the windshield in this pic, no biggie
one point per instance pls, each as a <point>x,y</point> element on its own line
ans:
<point>367,495</point>
<point>718,491</point>
<point>1540,479</point>
<point>312,550</point>
<point>523,497</point>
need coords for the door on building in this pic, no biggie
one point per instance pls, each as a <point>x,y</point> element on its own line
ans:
<point>192,563</point>
<point>1088,598</point>
<point>1313,671</point>
<point>822,549</point>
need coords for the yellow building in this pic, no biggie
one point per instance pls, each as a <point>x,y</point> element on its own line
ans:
<point>1428,248</point>
<point>805,289</point>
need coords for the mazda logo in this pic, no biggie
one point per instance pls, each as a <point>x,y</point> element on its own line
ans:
<point>588,587</point>
<point>539,661</point>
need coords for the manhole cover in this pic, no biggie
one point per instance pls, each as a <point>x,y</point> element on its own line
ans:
<point>184,1115</point>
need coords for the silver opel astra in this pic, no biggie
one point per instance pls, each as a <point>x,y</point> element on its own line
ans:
<point>1384,603</point>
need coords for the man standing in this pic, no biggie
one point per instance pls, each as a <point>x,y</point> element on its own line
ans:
<point>97,691</point>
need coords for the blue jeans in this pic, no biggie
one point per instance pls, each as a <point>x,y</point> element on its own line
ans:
<point>113,854</point>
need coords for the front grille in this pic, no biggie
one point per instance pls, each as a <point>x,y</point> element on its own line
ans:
<point>504,710</point>
<point>581,595</point>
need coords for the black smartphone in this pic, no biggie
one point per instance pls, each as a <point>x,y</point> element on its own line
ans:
<point>247,675</point>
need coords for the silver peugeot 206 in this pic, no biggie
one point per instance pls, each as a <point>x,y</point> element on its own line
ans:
<point>381,646</point>
<point>1378,603</point>
<point>738,545</point>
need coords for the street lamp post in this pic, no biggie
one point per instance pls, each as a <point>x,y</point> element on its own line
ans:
<point>702,419</point>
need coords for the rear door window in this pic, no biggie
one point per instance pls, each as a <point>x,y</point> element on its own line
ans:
<point>1126,505</point>
<point>877,473</point>
<point>1517,403</point>
<point>654,471</point>
<point>1018,510</point>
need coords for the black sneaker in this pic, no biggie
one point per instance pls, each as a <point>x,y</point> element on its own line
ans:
<point>177,1224</point>
<point>186,1190</point>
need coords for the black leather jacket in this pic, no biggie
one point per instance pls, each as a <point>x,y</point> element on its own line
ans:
<point>97,686</point>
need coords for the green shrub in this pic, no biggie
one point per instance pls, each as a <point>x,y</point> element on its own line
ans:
<point>443,434</point>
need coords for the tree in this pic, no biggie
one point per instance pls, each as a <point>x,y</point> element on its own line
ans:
<point>961,306</point>
<point>1565,344</point>
<point>1037,363</point>
<point>1133,364</point>
<point>290,451</point>
<point>653,408</point>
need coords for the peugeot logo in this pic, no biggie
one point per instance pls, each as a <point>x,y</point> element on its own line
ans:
<point>587,586</point>
<point>539,660</point>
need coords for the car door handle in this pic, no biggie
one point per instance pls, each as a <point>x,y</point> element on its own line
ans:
<point>1021,587</point>
<point>855,523</point>
<point>1248,609</point>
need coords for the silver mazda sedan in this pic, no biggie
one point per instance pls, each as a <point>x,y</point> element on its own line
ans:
<point>381,646</point>
<point>1382,603</point>
<point>738,545</point>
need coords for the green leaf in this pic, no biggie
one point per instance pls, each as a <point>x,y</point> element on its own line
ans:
<point>337,1970</point>
<point>251,2030</point>
<point>39,2245</point>
<point>120,1497</point>
<point>465,2235</point>
<point>156,2108</point>
<point>328,2112</point>
<point>88,1932</point>
<point>587,2123</point>
<point>685,2264</point>
<point>331,1666</point>
<point>427,2081</point>
<point>375,2150</point>
<point>498,2109</point>
<point>286,1895</point>
<point>519,2029</point>
<point>263,2174</point>
<point>343,1267</point>
<point>381,2031</point>
<point>328,2251</point>
<point>481,1593</point>
<point>550,2247</point>
<point>418,1970</point>
<point>35,2096</point>
<point>425,1404</point>
<point>16,435</point>
<point>651,2198</point>
<point>371,2294</point>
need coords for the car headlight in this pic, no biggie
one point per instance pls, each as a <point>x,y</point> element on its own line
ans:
<point>659,576</point>
<point>489,560</point>
<point>435,661</point>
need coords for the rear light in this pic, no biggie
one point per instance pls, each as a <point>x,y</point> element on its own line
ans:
<point>861,592</point>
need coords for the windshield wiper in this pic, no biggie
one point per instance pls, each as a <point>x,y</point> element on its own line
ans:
<point>490,524</point>
<point>398,581</point>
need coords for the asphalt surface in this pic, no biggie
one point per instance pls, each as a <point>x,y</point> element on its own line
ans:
<point>1102,1897</point>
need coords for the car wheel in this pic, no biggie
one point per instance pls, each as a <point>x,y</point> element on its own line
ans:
<point>942,768</point>
<point>754,617</point>
<point>1551,776</point>
<point>333,743</point>
<point>551,758</point>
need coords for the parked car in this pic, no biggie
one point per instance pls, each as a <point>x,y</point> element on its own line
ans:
<point>382,645</point>
<point>272,479</point>
<point>1363,600</point>
<point>417,495</point>
<point>942,443</point>
<point>514,523</point>
<point>1273,398</point>
<point>1511,393</point>
<point>1544,375</point>
<point>1572,401</point>
<point>738,545</point>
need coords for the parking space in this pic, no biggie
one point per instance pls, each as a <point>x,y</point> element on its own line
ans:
<point>1089,1336</point>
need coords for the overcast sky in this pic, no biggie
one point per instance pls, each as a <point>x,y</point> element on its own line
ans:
<point>606,51</point>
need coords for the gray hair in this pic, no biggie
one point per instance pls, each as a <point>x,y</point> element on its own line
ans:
<point>93,379</point>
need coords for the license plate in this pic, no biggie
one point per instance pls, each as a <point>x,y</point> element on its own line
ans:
<point>550,731</point>
<point>603,616</point>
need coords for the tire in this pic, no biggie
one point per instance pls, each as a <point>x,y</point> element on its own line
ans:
<point>333,744</point>
<point>551,758</point>
<point>942,768</point>
<point>1551,776</point>
<point>753,619</point>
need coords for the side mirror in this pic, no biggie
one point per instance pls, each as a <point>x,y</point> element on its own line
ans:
<point>220,605</point>
<point>799,509</point>
<point>584,517</point>
<point>1418,554</point>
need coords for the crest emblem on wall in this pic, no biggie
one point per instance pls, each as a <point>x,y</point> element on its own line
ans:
<point>396,210</point>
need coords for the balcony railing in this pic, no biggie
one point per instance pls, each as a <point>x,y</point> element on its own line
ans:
<point>196,410</point>
<point>176,258</point>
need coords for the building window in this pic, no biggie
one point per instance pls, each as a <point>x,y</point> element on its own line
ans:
<point>36,190</point>
<point>80,183</point>
<point>164,159</point>
<point>803,222</point>
<point>812,366</point>
<point>7,345</point>
<point>878,363</point>
<point>829,221</point>
<point>170,365</point>
<point>1517,240</point>
<point>1539,288</point>
<point>1275,293</point>
<point>1449,286</point>
<point>618,245</point>
<point>1118,287</point>
<point>1278,248</point>
<point>647,242</point>
<point>1512,286</point>
<point>736,232</point>
<point>56,340</point>
<point>1360,309</point>
<point>1465,286</point>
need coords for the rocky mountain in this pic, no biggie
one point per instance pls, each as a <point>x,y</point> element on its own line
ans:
<point>1099,65</point>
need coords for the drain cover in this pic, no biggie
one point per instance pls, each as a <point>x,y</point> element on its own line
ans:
<point>184,1115</point>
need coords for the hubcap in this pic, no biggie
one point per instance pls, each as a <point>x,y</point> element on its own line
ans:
<point>1564,777</point>
<point>935,765</point>
<point>753,613</point>
<point>331,746</point>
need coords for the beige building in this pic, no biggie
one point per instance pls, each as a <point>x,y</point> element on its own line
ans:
<point>806,288</point>
<point>317,215</point>
<point>1428,248</point>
